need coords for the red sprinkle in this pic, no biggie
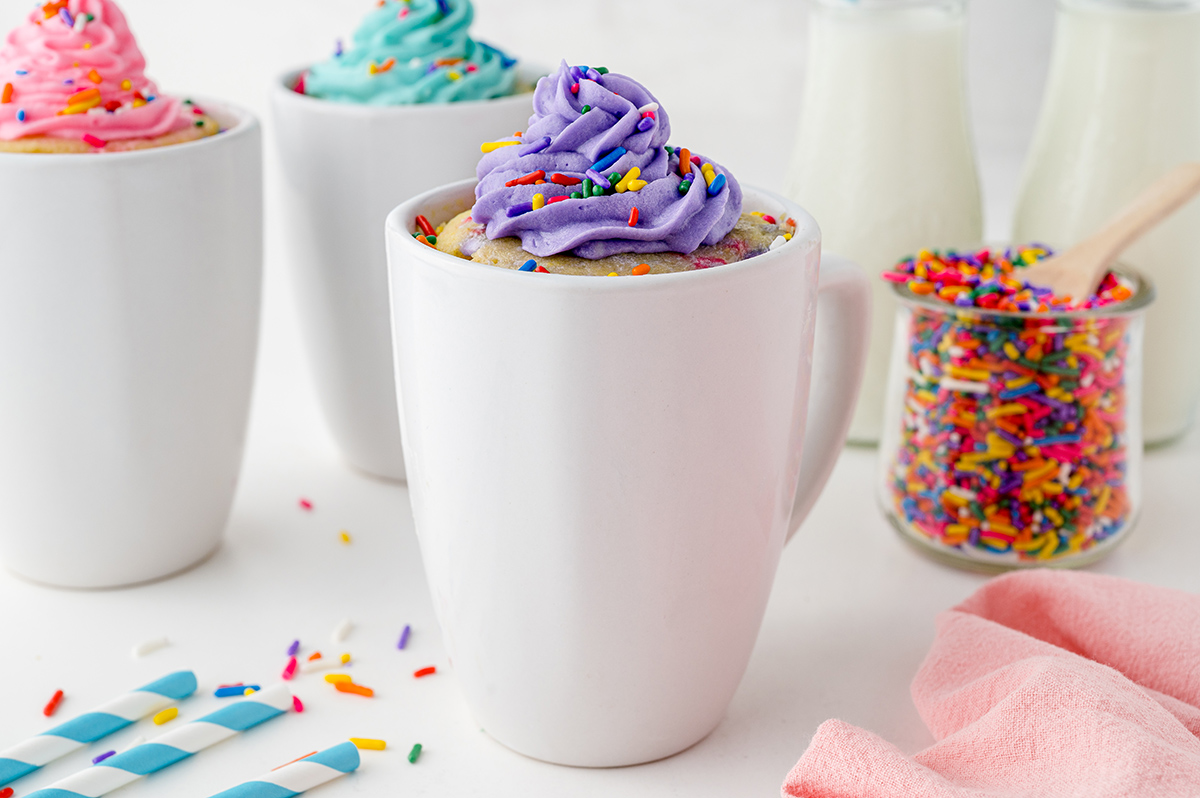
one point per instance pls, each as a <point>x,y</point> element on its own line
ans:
<point>527,180</point>
<point>289,670</point>
<point>305,504</point>
<point>297,704</point>
<point>7,792</point>
<point>52,706</point>
<point>542,270</point>
<point>88,138</point>
<point>633,217</point>
<point>112,106</point>
<point>553,200</point>
<point>574,88</point>
<point>769,219</point>
<point>299,87</point>
<point>564,180</point>
<point>425,672</point>
<point>425,226</point>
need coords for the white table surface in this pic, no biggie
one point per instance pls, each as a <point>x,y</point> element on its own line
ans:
<point>850,618</point>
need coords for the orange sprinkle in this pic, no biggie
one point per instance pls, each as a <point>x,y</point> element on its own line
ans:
<point>356,689</point>
<point>640,269</point>
<point>384,67</point>
<point>52,705</point>
<point>314,656</point>
<point>94,77</point>
<point>6,96</point>
<point>87,95</point>
<point>425,241</point>
<point>447,62</point>
<point>425,672</point>
<point>685,162</point>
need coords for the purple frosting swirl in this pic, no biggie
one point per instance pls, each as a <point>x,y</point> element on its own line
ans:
<point>562,140</point>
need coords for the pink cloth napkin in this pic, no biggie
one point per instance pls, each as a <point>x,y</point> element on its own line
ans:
<point>1041,684</point>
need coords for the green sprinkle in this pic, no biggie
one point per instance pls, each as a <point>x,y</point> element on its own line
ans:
<point>431,239</point>
<point>669,150</point>
<point>587,187</point>
<point>602,70</point>
<point>576,195</point>
<point>585,109</point>
<point>414,754</point>
<point>614,178</point>
<point>199,123</point>
<point>684,186</point>
<point>597,191</point>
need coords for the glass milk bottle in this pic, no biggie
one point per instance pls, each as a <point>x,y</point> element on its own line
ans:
<point>884,159</point>
<point>1121,108</point>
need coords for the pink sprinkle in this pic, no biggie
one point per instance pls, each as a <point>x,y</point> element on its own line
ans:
<point>299,87</point>
<point>769,219</point>
<point>297,704</point>
<point>290,670</point>
<point>305,504</point>
<point>472,68</point>
<point>88,138</point>
<point>894,277</point>
<point>575,88</point>
<point>403,13</point>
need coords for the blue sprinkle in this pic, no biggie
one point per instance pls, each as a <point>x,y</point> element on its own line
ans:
<point>506,62</point>
<point>535,146</point>
<point>647,123</point>
<point>608,160</point>
<point>599,179</point>
<point>517,210</point>
<point>22,71</point>
<point>1057,439</point>
<point>528,266</point>
<point>21,115</point>
<point>715,188</point>
<point>1024,390</point>
<point>338,49</point>
<point>444,7</point>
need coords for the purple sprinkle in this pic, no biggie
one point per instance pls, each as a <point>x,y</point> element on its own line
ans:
<point>517,210</point>
<point>535,146</point>
<point>404,637</point>
<point>598,178</point>
<point>102,757</point>
<point>576,73</point>
<point>593,75</point>
<point>338,49</point>
<point>647,123</point>
<point>68,82</point>
<point>66,17</point>
<point>293,648</point>
<point>444,7</point>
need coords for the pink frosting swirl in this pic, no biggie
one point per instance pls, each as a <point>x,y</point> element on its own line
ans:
<point>55,57</point>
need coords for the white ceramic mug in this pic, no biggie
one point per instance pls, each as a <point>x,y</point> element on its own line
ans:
<point>345,167</point>
<point>129,306</point>
<point>603,472</point>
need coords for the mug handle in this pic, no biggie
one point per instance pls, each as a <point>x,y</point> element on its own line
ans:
<point>843,334</point>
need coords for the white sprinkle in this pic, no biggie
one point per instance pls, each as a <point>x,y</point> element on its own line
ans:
<point>81,22</point>
<point>342,631</point>
<point>149,647</point>
<point>966,386</point>
<point>777,243</point>
<point>648,107</point>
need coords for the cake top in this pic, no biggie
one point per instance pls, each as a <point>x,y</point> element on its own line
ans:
<point>74,70</point>
<point>414,51</point>
<point>594,175</point>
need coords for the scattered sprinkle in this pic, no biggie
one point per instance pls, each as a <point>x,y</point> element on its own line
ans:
<point>289,670</point>
<point>149,647</point>
<point>166,716</point>
<point>338,678</point>
<point>367,744</point>
<point>52,705</point>
<point>342,630</point>
<point>404,637</point>
<point>305,504</point>
<point>96,760</point>
<point>344,536</point>
<point>432,669</point>
<point>234,690</point>
<point>414,754</point>
<point>297,704</point>
<point>6,94</point>
<point>355,689</point>
<point>293,648</point>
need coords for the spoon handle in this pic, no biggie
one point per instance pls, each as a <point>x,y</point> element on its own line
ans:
<point>1161,199</point>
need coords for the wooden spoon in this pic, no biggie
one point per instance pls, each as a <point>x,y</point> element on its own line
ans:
<point>1078,271</point>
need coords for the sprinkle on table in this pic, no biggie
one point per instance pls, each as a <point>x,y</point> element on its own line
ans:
<point>355,689</point>
<point>344,536</point>
<point>52,705</point>
<point>423,672</point>
<point>297,704</point>
<point>414,754</point>
<point>7,792</point>
<point>342,630</point>
<point>96,760</point>
<point>294,648</point>
<point>305,504</point>
<point>166,716</point>
<point>368,744</point>
<point>289,670</point>
<point>148,647</point>
<point>404,637</point>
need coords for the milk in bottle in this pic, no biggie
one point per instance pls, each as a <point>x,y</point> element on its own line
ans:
<point>884,159</point>
<point>1122,107</point>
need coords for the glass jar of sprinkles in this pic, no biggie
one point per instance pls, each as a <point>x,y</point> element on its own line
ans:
<point>1013,438</point>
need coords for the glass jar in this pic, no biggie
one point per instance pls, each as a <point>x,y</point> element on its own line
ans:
<point>1122,107</point>
<point>1011,439</point>
<point>884,158</point>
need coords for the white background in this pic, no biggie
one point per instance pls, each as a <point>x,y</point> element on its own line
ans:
<point>852,613</point>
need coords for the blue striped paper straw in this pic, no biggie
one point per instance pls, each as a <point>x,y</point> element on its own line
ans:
<point>26,757</point>
<point>299,776</point>
<point>172,747</point>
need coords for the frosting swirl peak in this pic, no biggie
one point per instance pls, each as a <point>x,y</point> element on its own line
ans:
<point>414,51</point>
<point>612,185</point>
<point>74,69</point>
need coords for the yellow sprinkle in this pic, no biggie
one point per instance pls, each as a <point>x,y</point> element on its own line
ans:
<point>138,103</point>
<point>338,678</point>
<point>1012,352</point>
<point>368,744</point>
<point>613,274</point>
<point>975,375</point>
<point>87,45</point>
<point>126,85</point>
<point>539,202</point>
<point>1010,409</point>
<point>166,715</point>
<point>249,691</point>
<point>453,75</point>
<point>492,146</point>
<point>630,176</point>
<point>756,213</point>
<point>636,185</point>
<point>787,236</point>
<point>345,536</point>
<point>345,658</point>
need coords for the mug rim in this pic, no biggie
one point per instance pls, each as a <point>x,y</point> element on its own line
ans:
<point>807,236</point>
<point>282,91</point>
<point>244,121</point>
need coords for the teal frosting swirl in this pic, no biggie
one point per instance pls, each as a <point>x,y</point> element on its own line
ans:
<point>414,36</point>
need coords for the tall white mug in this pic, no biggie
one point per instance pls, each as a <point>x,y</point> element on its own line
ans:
<point>345,167</point>
<point>129,306</point>
<point>603,473</point>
